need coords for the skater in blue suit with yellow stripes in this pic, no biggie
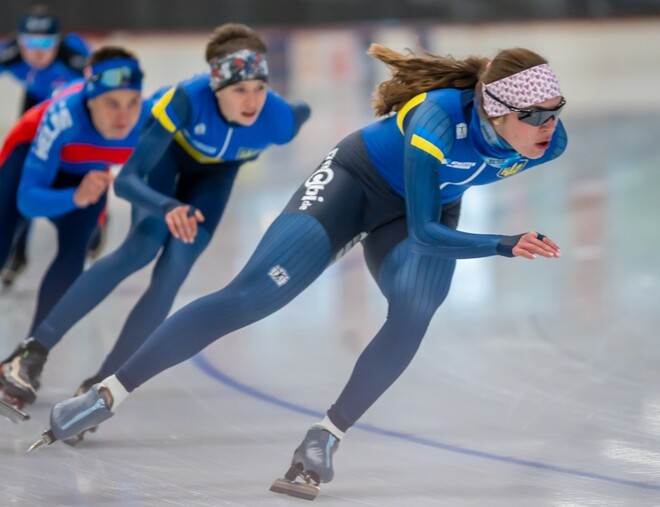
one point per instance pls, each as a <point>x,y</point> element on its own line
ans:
<point>179,179</point>
<point>395,185</point>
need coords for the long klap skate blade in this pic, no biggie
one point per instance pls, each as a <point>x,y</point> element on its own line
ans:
<point>47,438</point>
<point>36,445</point>
<point>295,489</point>
<point>12,413</point>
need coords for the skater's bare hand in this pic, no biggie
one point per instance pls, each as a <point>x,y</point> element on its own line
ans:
<point>182,222</point>
<point>532,244</point>
<point>92,187</point>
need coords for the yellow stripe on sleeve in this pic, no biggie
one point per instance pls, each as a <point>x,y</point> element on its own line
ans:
<point>158,111</point>
<point>428,147</point>
<point>194,154</point>
<point>401,115</point>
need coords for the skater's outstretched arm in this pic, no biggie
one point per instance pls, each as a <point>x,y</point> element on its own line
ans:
<point>429,135</point>
<point>168,114</point>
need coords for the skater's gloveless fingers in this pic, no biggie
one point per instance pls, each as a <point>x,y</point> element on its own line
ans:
<point>92,187</point>
<point>182,225</point>
<point>532,244</point>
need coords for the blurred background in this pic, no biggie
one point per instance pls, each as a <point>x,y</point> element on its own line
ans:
<point>559,367</point>
<point>100,15</point>
<point>604,50</point>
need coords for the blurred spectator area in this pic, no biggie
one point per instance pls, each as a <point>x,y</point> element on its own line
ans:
<point>607,58</point>
<point>103,15</point>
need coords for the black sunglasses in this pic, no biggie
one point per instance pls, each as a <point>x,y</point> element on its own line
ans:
<point>535,117</point>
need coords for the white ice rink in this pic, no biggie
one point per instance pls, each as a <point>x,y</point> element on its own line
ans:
<point>537,384</point>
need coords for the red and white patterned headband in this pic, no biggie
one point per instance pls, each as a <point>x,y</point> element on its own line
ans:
<point>521,90</point>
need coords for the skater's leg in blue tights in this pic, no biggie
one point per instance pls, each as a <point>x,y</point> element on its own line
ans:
<point>138,249</point>
<point>170,272</point>
<point>294,252</point>
<point>73,232</point>
<point>415,286</point>
<point>209,193</point>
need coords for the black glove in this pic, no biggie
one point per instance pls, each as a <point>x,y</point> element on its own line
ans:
<point>506,244</point>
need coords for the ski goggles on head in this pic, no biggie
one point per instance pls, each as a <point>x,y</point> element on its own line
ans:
<point>118,73</point>
<point>28,41</point>
<point>535,116</point>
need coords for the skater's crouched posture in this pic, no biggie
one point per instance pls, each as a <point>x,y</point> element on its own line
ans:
<point>61,172</point>
<point>396,185</point>
<point>198,136</point>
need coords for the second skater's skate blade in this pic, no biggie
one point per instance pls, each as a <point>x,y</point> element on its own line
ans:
<point>12,413</point>
<point>295,489</point>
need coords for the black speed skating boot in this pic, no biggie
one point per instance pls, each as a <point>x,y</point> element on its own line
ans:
<point>310,466</point>
<point>87,384</point>
<point>20,373</point>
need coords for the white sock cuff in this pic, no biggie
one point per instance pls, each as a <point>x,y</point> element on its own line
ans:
<point>327,424</point>
<point>118,391</point>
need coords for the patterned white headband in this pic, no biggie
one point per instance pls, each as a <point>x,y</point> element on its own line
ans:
<point>521,90</point>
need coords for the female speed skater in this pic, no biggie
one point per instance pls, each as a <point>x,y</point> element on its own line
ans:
<point>395,185</point>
